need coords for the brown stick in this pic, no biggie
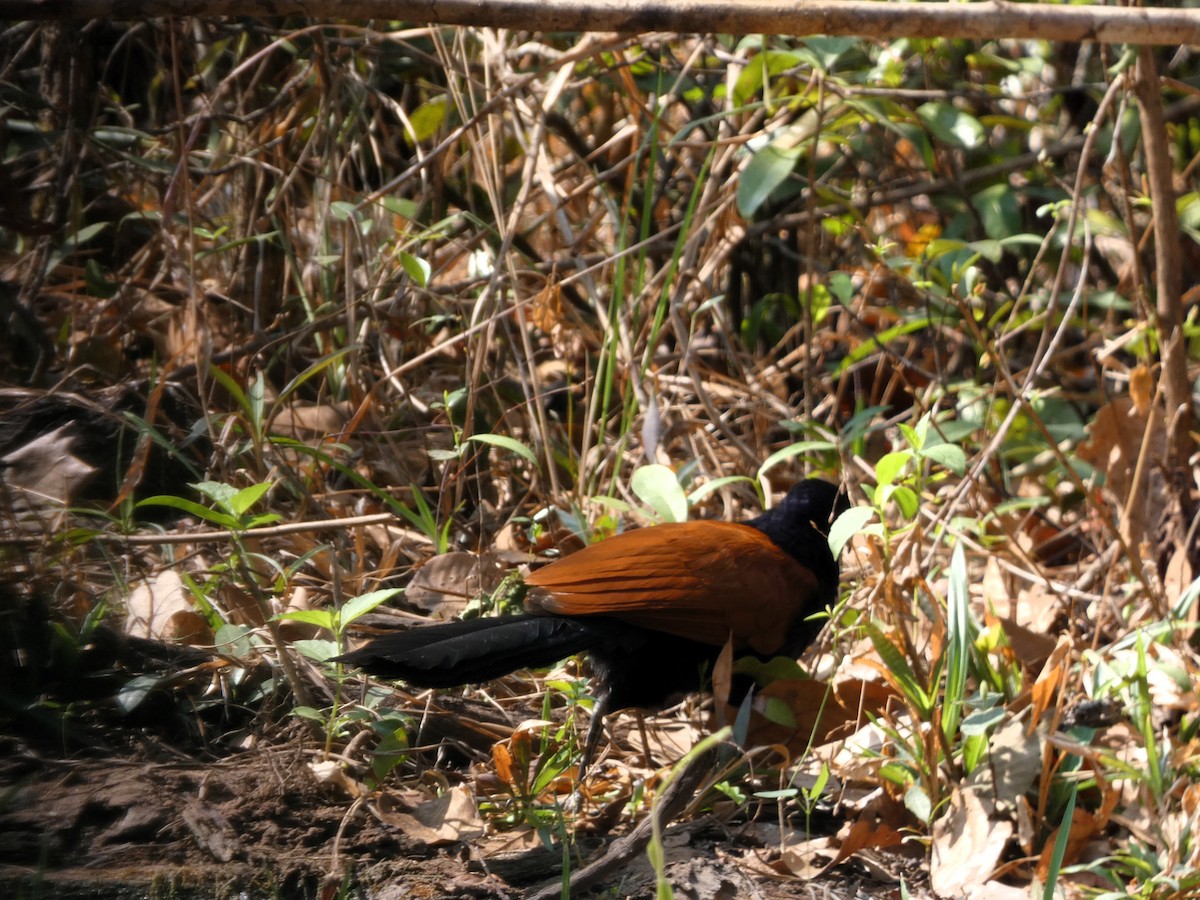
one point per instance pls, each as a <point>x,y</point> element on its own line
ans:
<point>1168,279</point>
<point>975,21</point>
<point>678,794</point>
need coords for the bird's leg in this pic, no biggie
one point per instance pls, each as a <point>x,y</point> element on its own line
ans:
<point>595,727</point>
<point>641,723</point>
<point>599,711</point>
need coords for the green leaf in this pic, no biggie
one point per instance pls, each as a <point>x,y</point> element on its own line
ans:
<point>240,502</point>
<point>236,640</point>
<point>870,347</point>
<point>818,787</point>
<point>789,451</point>
<point>400,206</point>
<point>890,465</point>
<point>715,485</point>
<point>390,752</point>
<point>343,211</point>
<point>658,488</point>
<point>914,436</point>
<point>841,286</point>
<point>317,650</point>
<point>782,794</point>
<point>779,713</point>
<point>825,51</point>
<point>949,456</point>
<point>218,492</point>
<point>917,803</point>
<point>759,70</point>
<point>1049,889</point>
<point>767,170</point>
<point>900,670</point>
<point>418,269</point>
<point>951,125</point>
<point>959,634</point>
<point>192,508</point>
<point>942,246</point>
<point>97,284</point>
<point>847,525</point>
<point>256,393</point>
<point>362,604</point>
<point>427,118</point>
<point>86,233</point>
<point>908,501</point>
<point>136,690</point>
<point>616,504</point>
<point>981,720</point>
<point>992,251</point>
<point>998,210</point>
<point>1109,300</point>
<point>322,618</point>
<point>226,381</point>
<point>504,442</point>
<point>312,371</point>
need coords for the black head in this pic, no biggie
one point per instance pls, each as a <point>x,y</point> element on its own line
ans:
<point>800,525</point>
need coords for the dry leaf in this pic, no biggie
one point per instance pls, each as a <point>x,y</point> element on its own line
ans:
<point>868,832</point>
<point>46,470</point>
<point>508,843</point>
<point>1045,689</point>
<point>670,739</point>
<point>1026,830</point>
<point>304,421</point>
<point>546,313</point>
<point>722,684</point>
<point>1178,576</point>
<point>187,627</point>
<point>152,604</point>
<point>859,757</point>
<point>1141,388</point>
<point>447,819</point>
<point>239,605</point>
<point>1084,826</point>
<point>966,845</point>
<point>797,714</point>
<point>808,859</point>
<point>447,583</point>
<point>330,772</point>
<point>1015,765</point>
<point>502,763</point>
<point>1032,648</point>
<point>210,829</point>
<point>1116,439</point>
<point>995,588</point>
<point>1037,608</point>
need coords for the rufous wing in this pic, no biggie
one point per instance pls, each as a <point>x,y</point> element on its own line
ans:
<point>703,581</point>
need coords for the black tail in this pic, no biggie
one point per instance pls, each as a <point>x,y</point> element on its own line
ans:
<point>471,651</point>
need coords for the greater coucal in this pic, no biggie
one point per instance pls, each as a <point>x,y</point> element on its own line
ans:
<point>652,608</point>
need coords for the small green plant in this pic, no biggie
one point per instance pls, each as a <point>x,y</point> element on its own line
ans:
<point>335,621</point>
<point>453,402</point>
<point>231,506</point>
<point>534,765</point>
<point>232,510</point>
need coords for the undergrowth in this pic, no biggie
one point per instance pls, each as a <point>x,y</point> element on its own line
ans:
<point>466,296</point>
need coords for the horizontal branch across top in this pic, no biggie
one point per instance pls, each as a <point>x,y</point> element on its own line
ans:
<point>888,20</point>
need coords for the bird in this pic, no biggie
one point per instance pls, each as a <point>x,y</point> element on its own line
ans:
<point>652,607</point>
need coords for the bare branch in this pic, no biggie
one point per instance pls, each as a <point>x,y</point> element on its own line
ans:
<point>977,21</point>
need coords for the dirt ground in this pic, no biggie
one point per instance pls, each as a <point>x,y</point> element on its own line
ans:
<point>152,818</point>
